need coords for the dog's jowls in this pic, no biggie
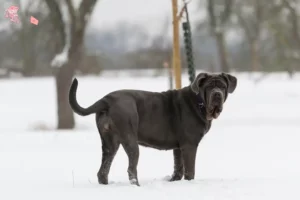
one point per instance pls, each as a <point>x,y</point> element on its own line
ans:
<point>171,120</point>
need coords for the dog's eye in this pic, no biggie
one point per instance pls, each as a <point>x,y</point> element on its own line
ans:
<point>222,87</point>
<point>210,86</point>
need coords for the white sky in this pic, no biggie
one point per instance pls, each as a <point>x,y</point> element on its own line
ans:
<point>151,13</point>
<point>133,10</point>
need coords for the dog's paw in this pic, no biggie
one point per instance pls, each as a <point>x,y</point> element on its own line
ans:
<point>176,177</point>
<point>103,180</point>
<point>134,182</point>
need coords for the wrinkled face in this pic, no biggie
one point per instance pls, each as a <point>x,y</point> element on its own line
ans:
<point>214,89</point>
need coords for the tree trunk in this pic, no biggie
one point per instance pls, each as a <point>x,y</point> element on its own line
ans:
<point>65,114</point>
<point>254,55</point>
<point>222,51</point>
<point>64,79</point>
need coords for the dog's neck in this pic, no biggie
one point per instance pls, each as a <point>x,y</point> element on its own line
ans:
<point>200,103</point>
<point>197,103</point>
<point>194,99</point>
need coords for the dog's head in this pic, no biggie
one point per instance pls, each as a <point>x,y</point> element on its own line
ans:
<point>214,89</point>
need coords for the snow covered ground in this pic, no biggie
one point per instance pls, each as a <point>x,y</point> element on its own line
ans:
<point>252,151</point>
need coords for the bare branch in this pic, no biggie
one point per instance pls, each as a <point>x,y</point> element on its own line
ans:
<point>294,20</point>
<point>242,21</point>
<point>85,9</point>
<point>57,18</point>
<point>185,3</point>
<point>227,12</point>
<point>211,13</point>
<point>288,5</point>
<point>180,15</point>
<point>72,12</point>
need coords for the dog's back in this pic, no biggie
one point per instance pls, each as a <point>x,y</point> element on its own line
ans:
<point>153,115</point>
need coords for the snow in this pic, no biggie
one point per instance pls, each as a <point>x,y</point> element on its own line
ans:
<point>251,152</point>
<point>62,58</point>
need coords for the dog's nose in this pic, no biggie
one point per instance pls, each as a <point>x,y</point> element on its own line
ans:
<point>217,96</point>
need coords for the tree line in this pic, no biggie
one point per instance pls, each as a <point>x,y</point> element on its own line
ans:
<point>234,35</point>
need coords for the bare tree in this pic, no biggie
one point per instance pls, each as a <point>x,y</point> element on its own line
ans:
<point>27,35</point>
<point>293,17</point>
<point>219,14</point>
<point>250,18</point>
<point>283,24</point>
<point>69,37</point>
<point>23,45</point>
<point>291,6</point>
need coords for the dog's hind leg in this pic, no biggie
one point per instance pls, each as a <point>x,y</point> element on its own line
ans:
<point>132,151</point>
<point>125,118</point>
<point>110,146</point>
<point>108,153</point>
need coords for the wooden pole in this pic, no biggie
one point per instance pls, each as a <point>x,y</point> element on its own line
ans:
<point>176,45</point>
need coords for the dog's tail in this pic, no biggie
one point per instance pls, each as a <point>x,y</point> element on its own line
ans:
<point>96,107</point>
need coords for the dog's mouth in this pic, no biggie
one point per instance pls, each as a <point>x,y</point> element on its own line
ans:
<point>215,112</point>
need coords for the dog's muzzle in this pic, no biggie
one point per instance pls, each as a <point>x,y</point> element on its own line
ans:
<point>216,101</point>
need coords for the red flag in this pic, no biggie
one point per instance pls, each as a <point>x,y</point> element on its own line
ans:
<point>34,21</point>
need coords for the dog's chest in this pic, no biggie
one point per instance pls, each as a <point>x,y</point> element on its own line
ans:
<point>207,127</point>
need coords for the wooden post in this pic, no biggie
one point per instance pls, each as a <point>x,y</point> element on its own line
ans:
<point>176,46</point>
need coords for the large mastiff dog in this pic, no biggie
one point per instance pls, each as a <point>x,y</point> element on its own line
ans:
<point>172,120</point>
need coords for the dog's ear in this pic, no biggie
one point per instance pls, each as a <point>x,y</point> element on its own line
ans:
<point>231,82</point>
<point>198,82</point>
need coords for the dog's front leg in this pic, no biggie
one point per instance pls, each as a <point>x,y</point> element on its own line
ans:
<point>178,165</point>
<point>189,160</point>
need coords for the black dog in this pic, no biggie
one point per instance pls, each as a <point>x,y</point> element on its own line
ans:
<point>175,119</point>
